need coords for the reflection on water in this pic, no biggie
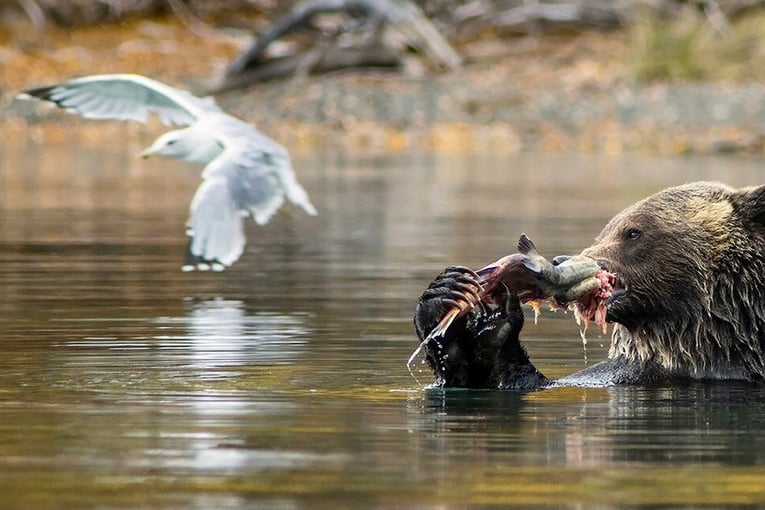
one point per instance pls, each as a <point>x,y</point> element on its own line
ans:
<point>281,383</point>
<point>691,445</point>
<point>219,333</point>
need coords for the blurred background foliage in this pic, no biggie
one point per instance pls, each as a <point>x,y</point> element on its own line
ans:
<point>687,47</point>
<point>668,76</point>
<point>668,40</point>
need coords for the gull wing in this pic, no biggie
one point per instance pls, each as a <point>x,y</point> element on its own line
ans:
<point>252,176</point>
<point>124,97</point>
<point>258,171</point>
<point>215,228</point>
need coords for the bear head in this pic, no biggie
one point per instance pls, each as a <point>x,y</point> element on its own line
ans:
<point>690,292</point>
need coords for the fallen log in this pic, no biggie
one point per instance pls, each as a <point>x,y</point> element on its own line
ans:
<point>386,31</point>
<point>333,59</point>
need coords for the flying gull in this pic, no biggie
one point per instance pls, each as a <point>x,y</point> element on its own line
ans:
<point>246,172</point>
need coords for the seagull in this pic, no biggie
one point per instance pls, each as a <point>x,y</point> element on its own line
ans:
<point>245,174</point>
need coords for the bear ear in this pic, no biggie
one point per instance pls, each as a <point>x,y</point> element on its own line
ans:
<point>753,204</point>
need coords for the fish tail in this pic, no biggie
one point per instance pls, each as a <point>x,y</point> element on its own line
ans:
<point>443,324</point>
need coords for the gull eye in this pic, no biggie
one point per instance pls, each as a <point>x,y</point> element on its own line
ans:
<point>632,234</point>
<point>171,142</point>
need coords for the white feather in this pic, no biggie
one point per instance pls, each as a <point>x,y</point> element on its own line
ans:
<point>246,172</point>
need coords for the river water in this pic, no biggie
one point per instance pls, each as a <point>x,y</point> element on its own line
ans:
<point>281,383</point>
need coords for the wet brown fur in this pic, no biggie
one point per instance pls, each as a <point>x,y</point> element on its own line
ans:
<point>695,278</point>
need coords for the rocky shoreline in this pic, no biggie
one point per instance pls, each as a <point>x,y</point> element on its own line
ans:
<point>559,94</point>
<point>446,113</point>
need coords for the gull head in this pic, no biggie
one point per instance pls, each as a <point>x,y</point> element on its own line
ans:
<point>190,144</point>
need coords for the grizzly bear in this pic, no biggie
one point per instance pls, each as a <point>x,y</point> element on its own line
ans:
<point>688,303</point>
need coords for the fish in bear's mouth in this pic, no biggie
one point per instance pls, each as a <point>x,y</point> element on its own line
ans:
<point>592,307</point>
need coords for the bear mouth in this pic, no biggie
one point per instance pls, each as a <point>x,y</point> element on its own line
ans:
<point>617,289</point>
<point>593,306</point>
<point>618,285</point>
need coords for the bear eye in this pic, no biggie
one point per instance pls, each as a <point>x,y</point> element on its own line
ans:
<point>632,234</point>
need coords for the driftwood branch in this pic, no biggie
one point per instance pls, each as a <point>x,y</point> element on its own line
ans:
<point>528,15</point>
<point>524,16</point>
<point>399,26</point>
<point>35,13</point>
<point>333,59</point>
<point>363,33</point>
<point>403,28</point>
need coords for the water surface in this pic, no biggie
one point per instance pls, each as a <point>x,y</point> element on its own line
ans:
<point>281,383</point>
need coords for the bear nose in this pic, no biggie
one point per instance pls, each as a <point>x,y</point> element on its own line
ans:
<point>560,259</point>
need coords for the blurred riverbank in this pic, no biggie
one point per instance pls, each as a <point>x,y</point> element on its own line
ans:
<point>559,92</point>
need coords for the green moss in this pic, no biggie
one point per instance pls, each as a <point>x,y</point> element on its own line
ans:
<point>687,48</point>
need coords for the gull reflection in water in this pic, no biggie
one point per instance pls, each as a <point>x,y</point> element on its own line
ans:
<point>230,352</point>
<point>220,333</point>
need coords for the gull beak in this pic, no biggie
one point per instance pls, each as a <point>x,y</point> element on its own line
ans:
<point>154,148</point>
